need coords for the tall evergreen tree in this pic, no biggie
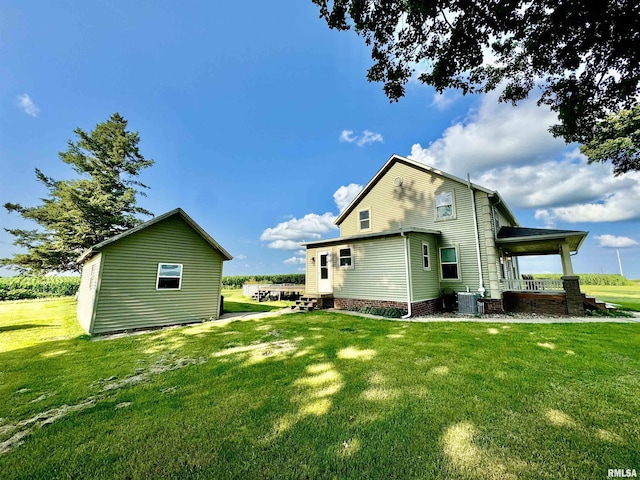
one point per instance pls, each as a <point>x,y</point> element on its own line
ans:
<point>84,211</point>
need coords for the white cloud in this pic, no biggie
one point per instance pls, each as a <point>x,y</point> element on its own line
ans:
<point>284,244</point>
<point>345,194</point>
<point>443,100</point>
<point>614,241</point>
<point>369,137</point>
<point>240,257</point>
<point>288,235</point>
<point>295,260</point>
<point>612,199</point>
<point>557,183</point>
<point>347,136</point>
<point>27,105</point>
<point>493,135</point>
<point>366,138</point>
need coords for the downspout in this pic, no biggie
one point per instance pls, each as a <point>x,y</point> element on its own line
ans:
<point>481,289</point>
<point>407,274</point>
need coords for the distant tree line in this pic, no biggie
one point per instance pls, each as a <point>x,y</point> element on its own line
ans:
<point>239,280</point>
<point>606,279</point>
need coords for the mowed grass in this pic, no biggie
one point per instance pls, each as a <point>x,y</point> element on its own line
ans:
<point>234,301</point>
<point>322,395</point>
<point>628,298</point>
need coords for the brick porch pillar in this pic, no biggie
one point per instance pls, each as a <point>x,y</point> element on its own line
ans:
<point>575,302</point>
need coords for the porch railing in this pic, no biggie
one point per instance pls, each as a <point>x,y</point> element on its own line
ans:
<point>532,285</point>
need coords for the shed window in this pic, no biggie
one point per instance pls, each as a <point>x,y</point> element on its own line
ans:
<point>345,255</point>
<point>449,263</point>
<point>426,265</point>
<point>169,276</point>
<point>364,217</point>
<point>444,206</point>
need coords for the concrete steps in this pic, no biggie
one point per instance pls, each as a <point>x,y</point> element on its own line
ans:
<point>305,304</point>
<point>594,303</point>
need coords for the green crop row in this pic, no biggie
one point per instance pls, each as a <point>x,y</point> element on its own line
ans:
<point>593,278</point>
<point>19,288</point>
<point>238,280</point>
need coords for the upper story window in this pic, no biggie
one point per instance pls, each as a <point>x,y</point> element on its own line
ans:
<point>444,206</point>
<point>364,219</point>
<point>169,276</point>
<point>345,257</point>
<point>426,263</point>
<point>449,263</point>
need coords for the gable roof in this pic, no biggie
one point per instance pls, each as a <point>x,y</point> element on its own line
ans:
<point>425,168</point>
<point>178,211</point>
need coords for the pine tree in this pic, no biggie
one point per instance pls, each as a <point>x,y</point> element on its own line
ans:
<point>84,211</point>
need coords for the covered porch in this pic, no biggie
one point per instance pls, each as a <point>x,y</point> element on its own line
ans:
<point>525,293</point>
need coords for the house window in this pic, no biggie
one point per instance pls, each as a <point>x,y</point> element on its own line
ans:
<point>169,276</point>
<point>324,266</point>
<point>364,217</point>
<point>449,263</point>
<point>426,265</point>
<point>345,257</point>
<point>444,206</point>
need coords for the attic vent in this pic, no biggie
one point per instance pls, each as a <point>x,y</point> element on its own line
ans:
<point>398,181</point>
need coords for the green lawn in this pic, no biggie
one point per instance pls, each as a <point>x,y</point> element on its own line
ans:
<point>234,301</point>
<point>317,395</point>
<point>628,298</point>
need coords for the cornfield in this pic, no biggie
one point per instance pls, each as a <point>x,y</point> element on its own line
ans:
<point>593,278</point>
<point>239,280</point>
<point>19,288</point>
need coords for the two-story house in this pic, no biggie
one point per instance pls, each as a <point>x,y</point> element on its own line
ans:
<point>415,232</point>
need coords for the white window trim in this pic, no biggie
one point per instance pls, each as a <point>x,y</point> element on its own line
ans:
<point>428,255</point>
<point>360,229</point>
<point>351,256</point>
<point>179,278</point>
<point>457,262</point>
<point>453,206</point>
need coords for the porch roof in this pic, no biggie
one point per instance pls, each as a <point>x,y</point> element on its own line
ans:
<point>538,241</point>
<point>364,236</point>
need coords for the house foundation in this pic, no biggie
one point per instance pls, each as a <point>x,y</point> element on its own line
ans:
<point>425,307</point>
<point>492,305</point>
<point>538,303</point>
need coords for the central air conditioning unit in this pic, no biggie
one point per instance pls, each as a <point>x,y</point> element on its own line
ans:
<point>468,302</point>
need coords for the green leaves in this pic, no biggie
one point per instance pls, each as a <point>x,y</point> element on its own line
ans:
<point>617,139</point>
<point>583,56</point>
<point>82,212</point>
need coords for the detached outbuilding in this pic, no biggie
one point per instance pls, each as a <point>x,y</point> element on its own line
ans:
<point>163,272</point>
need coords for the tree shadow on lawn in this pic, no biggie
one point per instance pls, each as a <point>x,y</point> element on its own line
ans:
<point>24,326</point>
<point>314,395</point>
<point>237,307</point>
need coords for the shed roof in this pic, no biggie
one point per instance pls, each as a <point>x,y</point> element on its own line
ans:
<point>178,211</point>
<point>425,168</point>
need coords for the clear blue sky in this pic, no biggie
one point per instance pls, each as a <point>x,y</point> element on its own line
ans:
<point>257,114</point>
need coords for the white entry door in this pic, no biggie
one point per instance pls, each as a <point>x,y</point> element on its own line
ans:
<point>324,272</point>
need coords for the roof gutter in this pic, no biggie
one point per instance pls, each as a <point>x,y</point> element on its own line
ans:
<point>481,289</point>
<point>407,274</point>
